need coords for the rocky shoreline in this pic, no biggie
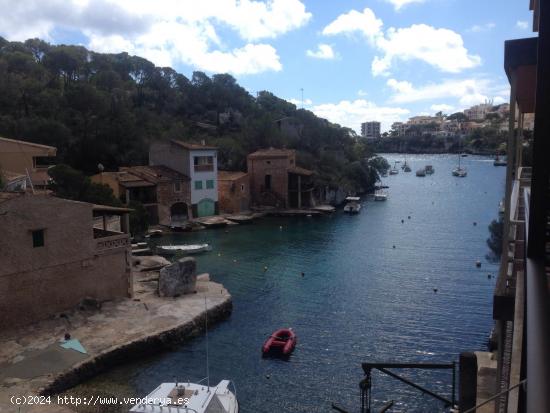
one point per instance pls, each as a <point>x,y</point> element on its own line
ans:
<point>121,331</point>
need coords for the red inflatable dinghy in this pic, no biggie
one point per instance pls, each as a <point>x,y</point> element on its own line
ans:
<point>282,340</point>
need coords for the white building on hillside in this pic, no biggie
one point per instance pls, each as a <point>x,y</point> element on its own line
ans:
<point>199,163</point>
<point>370,129</point>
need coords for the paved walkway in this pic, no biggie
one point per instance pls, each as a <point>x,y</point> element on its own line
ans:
<point>31,358</point>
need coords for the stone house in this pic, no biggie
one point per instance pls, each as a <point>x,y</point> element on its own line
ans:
<point>198,162</point>
<point>22,157</point>
<point>53,257</point>
<point>164,192</point>
<point>233,192</point>
<point>275,180</point>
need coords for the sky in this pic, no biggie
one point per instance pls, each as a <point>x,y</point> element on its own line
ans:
<point>352,60</point>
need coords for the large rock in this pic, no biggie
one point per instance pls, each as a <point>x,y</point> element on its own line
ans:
<point>178,278</point>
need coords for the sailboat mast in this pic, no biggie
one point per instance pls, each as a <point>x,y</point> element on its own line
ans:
<point>206,333</point>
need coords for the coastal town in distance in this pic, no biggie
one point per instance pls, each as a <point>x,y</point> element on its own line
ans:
<point>274,206</point>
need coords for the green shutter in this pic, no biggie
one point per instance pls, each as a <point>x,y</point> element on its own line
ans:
<point>206,207</point>
<point>210,184</point>
<point>198,184</point>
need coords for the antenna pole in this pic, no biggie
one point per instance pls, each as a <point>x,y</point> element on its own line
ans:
<point>206,333</point>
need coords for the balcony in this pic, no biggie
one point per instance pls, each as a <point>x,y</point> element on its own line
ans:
<point>204,168</point>
<point>107,241</point>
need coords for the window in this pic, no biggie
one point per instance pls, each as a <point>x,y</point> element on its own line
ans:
<point>268,162</point>
<point>242,187</point>
<point>177,187</point>
<point>210,184</point>
<point>203,163</point>
<point>198,184</point>
<point>38,238</point>
<point>267,182</point>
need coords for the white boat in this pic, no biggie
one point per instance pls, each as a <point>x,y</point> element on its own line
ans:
<point>353,206</point>
<point>421,172</point>
<point>499,162</point>
<point>189,398</point>
<point>185,248</point>
<point>459,171</point>
<point>429,169</point>
<point>154,233</point>
<point>394,170</point>
<point>380,195</point>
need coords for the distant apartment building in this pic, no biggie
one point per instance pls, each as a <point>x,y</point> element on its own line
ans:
<point>53,257</point>
<point>424,120</point>
<point>197,162</point>
<point>233,192</point>
<point>478,112</point>
<point>276,180</point>
<point>164,192</point>
<point>27,158</point>
<point>370,130</point>
<point>399,128</point>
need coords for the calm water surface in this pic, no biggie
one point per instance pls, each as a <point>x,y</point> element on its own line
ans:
<point>360,300</point>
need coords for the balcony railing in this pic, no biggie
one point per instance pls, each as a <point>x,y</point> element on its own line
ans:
<point>111,241</point>
<point>528,359</point>
<point>204,168</point>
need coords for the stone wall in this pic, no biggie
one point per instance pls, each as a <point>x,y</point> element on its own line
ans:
<point>167,196</point>
<point>233,199</point>
<point>277,168</point>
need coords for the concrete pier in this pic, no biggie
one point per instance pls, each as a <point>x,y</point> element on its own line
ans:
<point>32,361</point>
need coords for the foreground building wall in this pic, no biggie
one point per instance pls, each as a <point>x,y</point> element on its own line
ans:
<point>51,260</point>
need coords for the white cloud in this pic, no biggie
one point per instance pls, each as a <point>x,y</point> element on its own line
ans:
<point>466,92</point>
<point>298,102</point>
<point>522,24</point>
<point>441,48</point>
<point>164,31</point>
<point>324,51</point>
<point>442,107</point>
<point>397,4</point>
<point>477,28</point>
<point>353,113</point>
<point>365,23</point>
<point>361,92</point>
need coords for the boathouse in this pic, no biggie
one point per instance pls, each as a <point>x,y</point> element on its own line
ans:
<point>164,192</point>
<point>233,192</point>
<point>53,256</point>
<point>276,180</point>
<point>198,162</point>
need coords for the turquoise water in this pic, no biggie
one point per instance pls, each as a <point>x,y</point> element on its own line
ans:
<point>360,299</point>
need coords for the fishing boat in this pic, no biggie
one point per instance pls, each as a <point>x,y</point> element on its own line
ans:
<point>429,169</point>
<point>190,398</point>
<point>281,341</point>
<point>394,170</point>
<point>407,168</point>
<point>499,162</point>
<point>185,248</point>
<point>380,195</point>
<point>421,172</point>
<point>353,206</point>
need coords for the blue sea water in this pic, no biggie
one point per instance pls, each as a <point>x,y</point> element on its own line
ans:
<point>359,300</point>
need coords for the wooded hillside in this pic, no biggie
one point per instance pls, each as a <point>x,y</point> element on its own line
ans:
<point>106,108</point>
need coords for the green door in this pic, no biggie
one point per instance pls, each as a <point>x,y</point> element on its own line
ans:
<point>206,207</point>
